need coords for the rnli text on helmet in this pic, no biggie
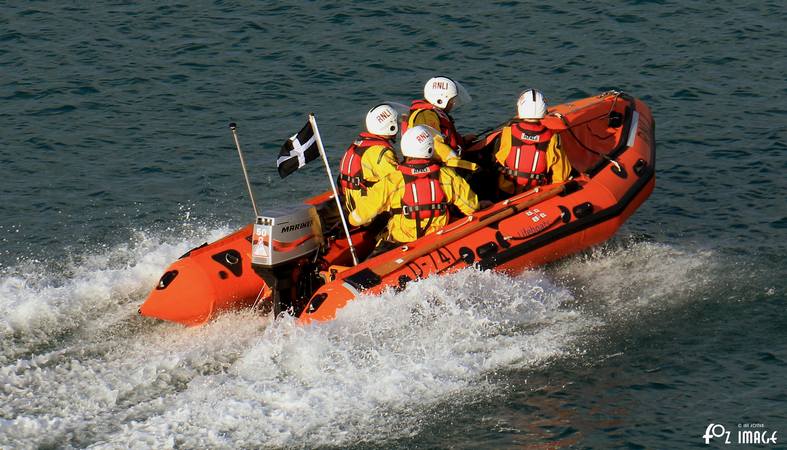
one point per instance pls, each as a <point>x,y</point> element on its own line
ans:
<point>440,85</point>
<point>382,116</point>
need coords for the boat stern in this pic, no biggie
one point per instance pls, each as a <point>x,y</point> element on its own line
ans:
<point>184,294</point>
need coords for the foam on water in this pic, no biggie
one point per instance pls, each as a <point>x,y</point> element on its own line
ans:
<point>375,373</point>
<point>626,277</point>
<point>43,300</point>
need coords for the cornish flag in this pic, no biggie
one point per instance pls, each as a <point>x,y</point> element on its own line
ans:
<point>297,151</point>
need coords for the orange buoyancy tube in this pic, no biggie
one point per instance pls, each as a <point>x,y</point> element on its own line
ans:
<point>526,164</point>
<point>447,127</point>
<point>423,197</point>
<point>351,169</point>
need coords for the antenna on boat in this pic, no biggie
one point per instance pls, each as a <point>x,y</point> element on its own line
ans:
<point>234,127</point>
<point>313,121</point>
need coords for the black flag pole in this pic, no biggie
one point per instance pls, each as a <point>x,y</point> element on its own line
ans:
<point>313,122</point>
<point>233,128</point>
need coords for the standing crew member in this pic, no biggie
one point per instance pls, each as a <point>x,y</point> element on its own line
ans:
<point>441,96</point>
<point>371,156</point>
<point>418,193</point>
<point>529,154</point>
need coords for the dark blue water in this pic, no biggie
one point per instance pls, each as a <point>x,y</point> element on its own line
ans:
<point>115,158</point>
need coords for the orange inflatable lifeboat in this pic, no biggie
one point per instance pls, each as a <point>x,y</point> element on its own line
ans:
<point>610,141</point>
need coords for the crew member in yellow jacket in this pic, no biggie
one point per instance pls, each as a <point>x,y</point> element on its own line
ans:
<point>418,193</point>
<point>529,154</point>
<point>441,96</point>
<point>371,156</point>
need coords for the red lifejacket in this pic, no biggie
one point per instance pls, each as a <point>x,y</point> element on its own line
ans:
<point>526,164</point>
<point>423,197</point>
<point>350,169</point>
<point>447,128</point>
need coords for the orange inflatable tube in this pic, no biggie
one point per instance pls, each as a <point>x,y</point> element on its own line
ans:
<point>205,281</point>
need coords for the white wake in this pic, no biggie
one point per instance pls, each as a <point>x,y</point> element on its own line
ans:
<point>80,368</point>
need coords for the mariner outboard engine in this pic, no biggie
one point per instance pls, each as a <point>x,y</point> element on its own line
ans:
<point>285,247</point>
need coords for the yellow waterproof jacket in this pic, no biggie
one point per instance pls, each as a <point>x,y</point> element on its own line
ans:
<point>377,162</point>
<point>444,152</point>
<point>387,195</point>
<point>558,164</point>
<point>429,118</point>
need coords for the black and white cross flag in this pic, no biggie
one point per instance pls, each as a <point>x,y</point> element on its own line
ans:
<point>297,151</point>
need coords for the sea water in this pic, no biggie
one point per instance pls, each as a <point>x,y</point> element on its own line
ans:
<point>116,159</point>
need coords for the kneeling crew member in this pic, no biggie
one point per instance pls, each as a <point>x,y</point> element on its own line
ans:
<point>371,156</point>
<point>441,96</point>
<point>529,154</point>
<point>418,194</point>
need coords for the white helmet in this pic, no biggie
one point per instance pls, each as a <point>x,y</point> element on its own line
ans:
<point>418,142</point>
<point>531,105</point>
<point>382,120</point>
<point>440,90</point>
